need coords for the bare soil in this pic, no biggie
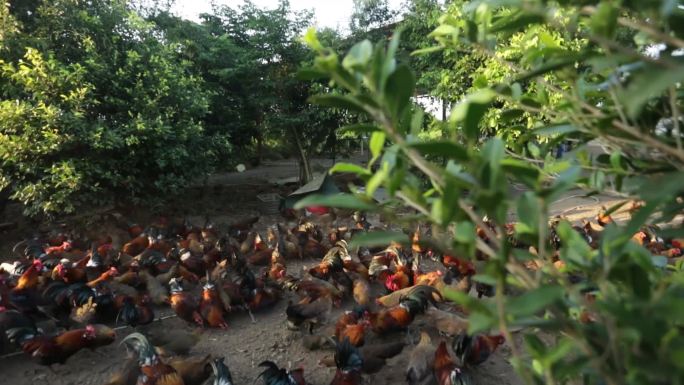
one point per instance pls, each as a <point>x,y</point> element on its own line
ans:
<point>227,198</point>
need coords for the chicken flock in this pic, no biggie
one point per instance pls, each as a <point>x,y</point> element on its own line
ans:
<point>90,286</point>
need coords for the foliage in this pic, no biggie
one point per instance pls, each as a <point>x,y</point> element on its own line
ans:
<point>546,73</point>
<point>97,109</point>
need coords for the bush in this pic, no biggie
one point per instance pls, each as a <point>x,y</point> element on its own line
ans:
<point>97,110</point>
<point>614,312</point>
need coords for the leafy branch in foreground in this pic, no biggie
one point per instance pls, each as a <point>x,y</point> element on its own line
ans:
<point>610,307</point>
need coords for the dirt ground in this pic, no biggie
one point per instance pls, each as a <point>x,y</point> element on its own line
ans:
<point>229,198</point>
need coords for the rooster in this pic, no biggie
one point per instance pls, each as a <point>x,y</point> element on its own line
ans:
<point>312,313</point>
<point>48,350</point>
<point>184,304</point>
<point>349,364</point>
<point>474,350</point>
<point>152,370</point>
<point>420,370</point>
<point>445,368</point>
<point>23,296</point>
<point>350,325</point>
<point>273,375</point>
<point>211,308</point>
<point>398,318</point>
<point>222,374</point>
<point>331,262</point>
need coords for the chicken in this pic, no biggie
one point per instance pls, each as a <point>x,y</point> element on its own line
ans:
<point>128,375</point>
<point>398,318</point>
<point>222,374</point>
<point>12,319</point>
<point>193,370</point>
<point>239,230</point>
<point>184,304</point>
<point>211,308</point>
<point>273,375</point>
<point>68,273</point>
<point>313,313</point>
<point>176,341</point>
<point>313,288</point>
<point>104,277</point>
<point>361,292</point>
<point>23,296</point>
<point>331,262</point>
<point>603,218</point>
<point>420,366</point>
<point>156,290</point>
<point>48,350</point>
<point>447,323</point>
<point>133,311</point>
<point>261,255</point>
<point>136,246</point>
<point>351,325</point>
<point>153,370</point>
<point>349,364</point>
<point>445,368</point>
<point>474,350</point>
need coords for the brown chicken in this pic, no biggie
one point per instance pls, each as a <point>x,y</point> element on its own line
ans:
<point>193,370</point>
<point>48,350</point>
<point>445,368</point>
<point>420,366</point>
<point>474,350</point>
<point>603,218</point>
<point>185,305</point>
<point>447,323</point>
<point>361,292</point>
<point>398,318</point>
<point>313,313</point>
<point>211,308</point>
<point>153,370</point>
<point>136,246</point>
<point>352,326</point>
<point>104,277</point>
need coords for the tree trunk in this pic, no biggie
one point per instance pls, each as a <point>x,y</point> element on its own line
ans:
<point>305,174</point>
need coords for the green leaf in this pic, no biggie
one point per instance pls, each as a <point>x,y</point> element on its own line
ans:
<point>471,111</point>
<point>444,30</point>
<point>377,179</point>
<point>338,101</point>
<point>311,39</point>
<point>378,238</point>
<point>464,232</point>
<point>342,201</point>
<point>651,82</point>
<point>360,128</point>
<point>349,167</point>
<point>555,130</point>
<point>399,89</point>
<point>533,301</point>
<point>529,211</point>
<point>515,22</point>
<point>377,142</point>
<point>359,55</point>
<point>444,148</point>
<point>425,51</point>
<point>604,21</point>
<point>311,74</point>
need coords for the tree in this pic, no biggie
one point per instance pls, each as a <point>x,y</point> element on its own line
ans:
<point>569,72</point>
<point>97,110</point>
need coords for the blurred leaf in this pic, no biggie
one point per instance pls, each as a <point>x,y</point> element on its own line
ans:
<point>470,112</point>
<point>533,301</point>
<point>649,83</point>
<point>360,128</point>
<point>343,201</point>
<point>444,148</point>
<point>378,238</point>
<point>377,142</point>
<point>338,101</point>
<point>349,167</point>
<point>359,56</point>
<point>399,89</point>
